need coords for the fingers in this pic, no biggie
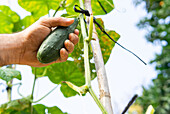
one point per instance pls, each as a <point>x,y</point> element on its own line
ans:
<point>63,55</point>
<point>69,46</point>
<point>76,31</point>
<point>74,37</point>
<point>73,40</point>
<point>56,21</point>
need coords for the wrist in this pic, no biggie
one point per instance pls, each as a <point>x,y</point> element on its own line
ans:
<point>10,48</point>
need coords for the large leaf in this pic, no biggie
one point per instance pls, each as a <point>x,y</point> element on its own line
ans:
<point>105,43</point>
<point>96,8</point>
<point>22,106</point>
<point>55,110</point>
<point>15,105</point>
<point>39,8</point>
<point>7,19</point>
<point>42,109</point>
<point>8,74</point>
<point>66,71</point>
<point>106,47</point>
<point>39,109</point>
<point>24,23</point>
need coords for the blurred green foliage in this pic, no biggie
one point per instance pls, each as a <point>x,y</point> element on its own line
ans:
<point>157,23</point>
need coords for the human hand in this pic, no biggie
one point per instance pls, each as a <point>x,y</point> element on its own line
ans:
<point>29,41</point>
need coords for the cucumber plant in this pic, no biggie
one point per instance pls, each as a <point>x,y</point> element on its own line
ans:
<point>75,79</point>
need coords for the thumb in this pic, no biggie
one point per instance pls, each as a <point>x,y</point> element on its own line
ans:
<point>56,21</point>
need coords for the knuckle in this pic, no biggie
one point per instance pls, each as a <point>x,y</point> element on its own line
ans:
<point>43,19</point>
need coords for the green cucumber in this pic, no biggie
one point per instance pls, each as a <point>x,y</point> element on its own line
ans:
<point>49,50</point>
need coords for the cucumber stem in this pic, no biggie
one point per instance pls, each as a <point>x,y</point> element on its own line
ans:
<point>33,83</point>
<point>86,49</point>
<point>61,3</point>
<point>32,94</point>
<point>9,87</point>
<point>97,101</point>
<point>45,95</point>
<point>86,60</point>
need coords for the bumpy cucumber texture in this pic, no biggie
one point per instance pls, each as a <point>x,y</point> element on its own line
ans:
<point>49,50</point>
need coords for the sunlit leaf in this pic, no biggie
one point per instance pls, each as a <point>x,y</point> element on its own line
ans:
<point>22,106</point>
<point>40,72</point>
<point>39,109</point>
<point>96,8</point>
<point>39,8</point>
<point>105,43</point>
<point>17,105</point>
<point>67,91</point>
<point>42,109</point>
<point>106,47</point>
<point>55,110</point>
<point>66,71</point>
<point>24,23</point>
<point>7,19</point>
<point>8,74</point>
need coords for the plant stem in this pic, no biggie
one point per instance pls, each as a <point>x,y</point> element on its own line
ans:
<point>9,88</point>
<point>86,49</point>
<point>61,3</point>
<point>33,87</point>
<point>100,68</point>
<point>18,90</point>
<point>45,95</point>
<point>97,101</point>
<point>56,10</point>
<point>86,61</point>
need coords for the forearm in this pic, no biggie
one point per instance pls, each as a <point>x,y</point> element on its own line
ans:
<point>9,48</point>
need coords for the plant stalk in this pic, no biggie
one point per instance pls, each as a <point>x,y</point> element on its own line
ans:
<point>100,68</point>
<point>32,94</point>
<point>61,3</point>
<point>45,95</point>
<point>33,87</point>
<point>9,87</point>
<point>86,49</point>
<point>9,90</point>
<point>97,101</point>
<point>86,61</point>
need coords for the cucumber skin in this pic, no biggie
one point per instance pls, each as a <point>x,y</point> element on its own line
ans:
<point>49,50</point>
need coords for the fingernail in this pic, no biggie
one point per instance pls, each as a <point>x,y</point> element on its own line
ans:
<point>69,19</point>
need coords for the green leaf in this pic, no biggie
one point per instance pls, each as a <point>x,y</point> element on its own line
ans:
<point>15,105</point>
<point>67,91</point>
<point>39,8</point>
<point>8,74</point>
<point>55,110</point>
<point>106,47</point>
<point>7,19</point>
<point>105,43</point>
<point>22,106</point>
<point>96,8</point>
<point>24,23</point>
<point>42,109</point>
<point>39,109</point>
<point>65,71</point>
<point>40,72</point>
